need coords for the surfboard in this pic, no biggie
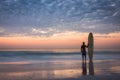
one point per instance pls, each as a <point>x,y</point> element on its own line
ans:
<point>90,46</point>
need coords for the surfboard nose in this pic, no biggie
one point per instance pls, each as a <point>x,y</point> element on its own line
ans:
<point>90,33</point>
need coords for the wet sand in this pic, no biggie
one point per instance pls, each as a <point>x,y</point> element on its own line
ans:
<point>61,70</point>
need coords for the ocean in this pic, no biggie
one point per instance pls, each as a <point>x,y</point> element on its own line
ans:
<point>58,65</point>
<point>17,56</point>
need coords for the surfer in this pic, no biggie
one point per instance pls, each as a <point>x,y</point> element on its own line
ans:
<point>83,51</point>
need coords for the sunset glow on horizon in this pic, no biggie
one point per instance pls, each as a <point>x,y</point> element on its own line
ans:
<point>70,40</point>
<point>59,24</point>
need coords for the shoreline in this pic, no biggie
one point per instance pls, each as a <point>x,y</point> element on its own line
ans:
<point>63,67</point>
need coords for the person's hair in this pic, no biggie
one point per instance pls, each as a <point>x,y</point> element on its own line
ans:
<point>83,42</point>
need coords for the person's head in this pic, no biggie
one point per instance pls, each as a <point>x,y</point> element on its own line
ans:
<point>83,43</point>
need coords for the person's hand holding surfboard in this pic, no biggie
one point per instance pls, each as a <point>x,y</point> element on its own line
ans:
<point>90,47</point>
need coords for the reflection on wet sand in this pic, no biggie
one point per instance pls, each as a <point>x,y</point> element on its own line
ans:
<point>43,74</point>
<point>91,68</point>
<point>78,70</point>
<point>53,72</point>
<point>84,68</point>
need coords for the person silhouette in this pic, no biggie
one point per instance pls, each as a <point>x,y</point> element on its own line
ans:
<point>83,51</point>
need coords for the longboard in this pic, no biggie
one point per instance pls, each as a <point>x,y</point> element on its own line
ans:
<point>90,46</point>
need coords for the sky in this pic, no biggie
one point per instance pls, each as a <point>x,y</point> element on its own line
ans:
<point>46,24</point>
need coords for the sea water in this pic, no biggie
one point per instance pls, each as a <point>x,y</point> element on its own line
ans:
<point>55,65</point>
<point>17,56</point>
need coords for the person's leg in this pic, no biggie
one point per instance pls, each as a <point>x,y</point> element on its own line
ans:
<point>85,57</point>
<point>82,57</point>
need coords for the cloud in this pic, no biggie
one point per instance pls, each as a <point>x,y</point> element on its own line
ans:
<point>21,16</point>
<point>43,32</point>
<point>104,36</point>
<point>1,30</point>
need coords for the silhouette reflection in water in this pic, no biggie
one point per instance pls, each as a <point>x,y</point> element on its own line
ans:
<point>91,68</point>
<point>84,68</point>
